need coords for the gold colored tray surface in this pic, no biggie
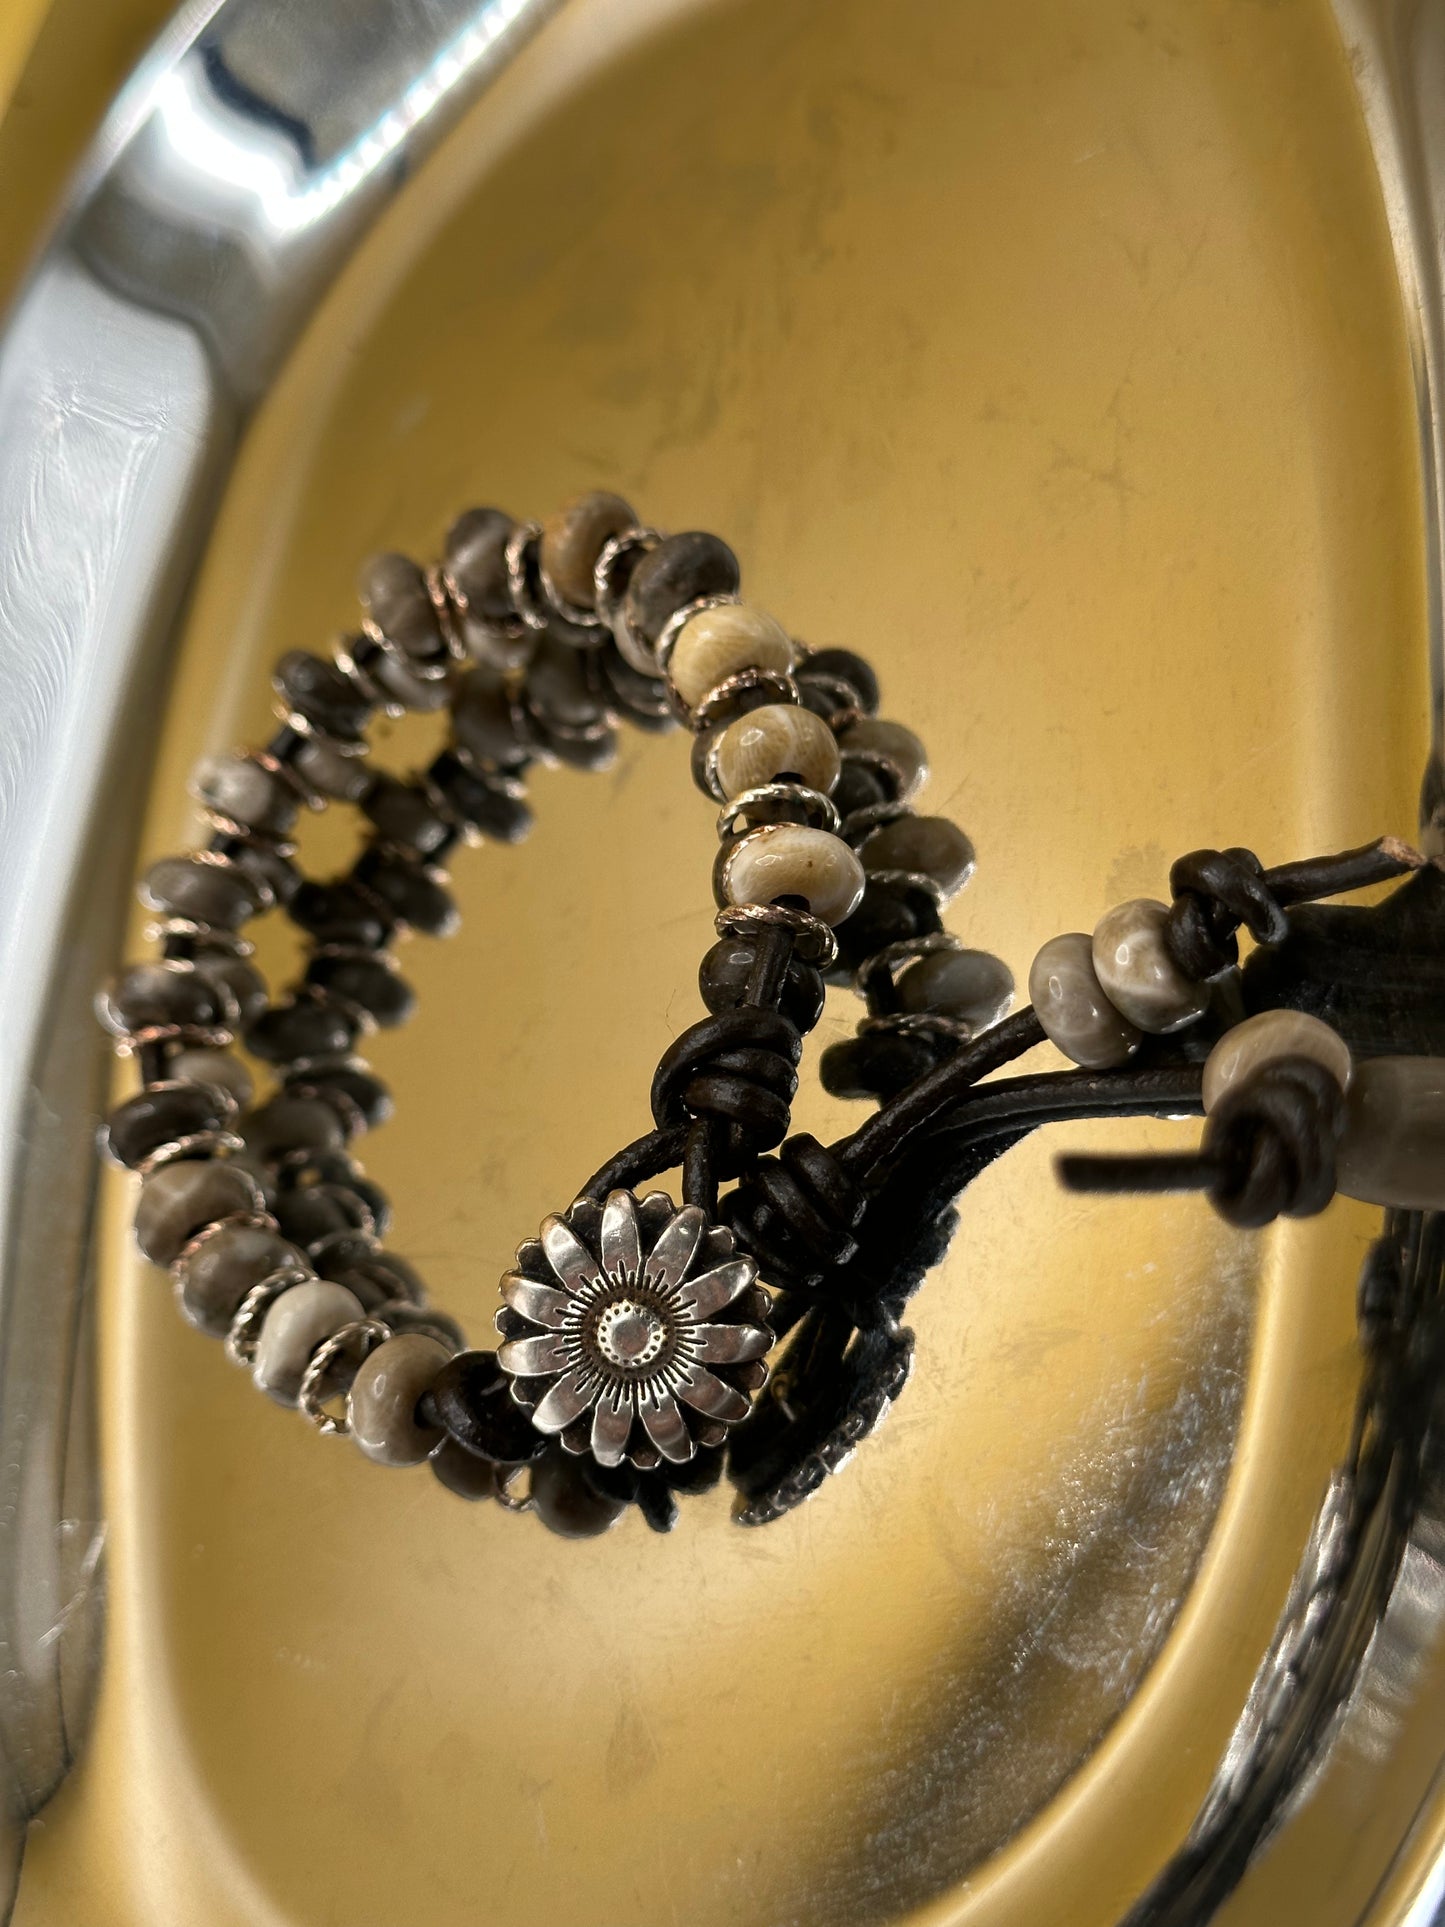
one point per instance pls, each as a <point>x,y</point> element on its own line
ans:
<point>1051,356</point>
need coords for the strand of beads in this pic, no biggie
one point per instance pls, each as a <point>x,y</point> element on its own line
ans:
<point>536,640</point>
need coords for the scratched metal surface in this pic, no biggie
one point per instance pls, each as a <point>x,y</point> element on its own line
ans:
<point>986,1675</point>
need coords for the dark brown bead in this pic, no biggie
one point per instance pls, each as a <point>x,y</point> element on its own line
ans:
<point>723,980</point>
<point>363,1095</point>
<point>428,1321</point>
<point>404,813</point>
<point>244,791</point>
<point>165,1115</point>
<point>880,1063</point>
<point>565,1503</point>
<point>679,570</point>
<point>317,1211</point>
<point>377,1277</point>
<point>485,804</point>
<point>927,846</point>
<point>482,719</point>
<point>474,1405</point>
<point>463,1472</point>
<point>561,686</point>
<point>394,593</point>
<point>290,1123</point>
<point>891,912</point>
<point>149,996</point>
<point>318,691</point>
<point>368,980</point>
<point>340,913</point>
<point>412,897</point>
<point>189,886</point>
<point>241,979</point>
<point>573,538</point>
<point>476,560</point>
<point>844,666</point>
<point>303,1027</point>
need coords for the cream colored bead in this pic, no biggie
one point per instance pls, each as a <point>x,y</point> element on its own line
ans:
<point>775,741</point>
<point>294,1326</point>
<point>1273,1033</point>
<point>1393,1148</point>
<point>1139,976</point>
<point>786,860</point>
<point>1070,1003</point>
<point>718,643</point>
<point>381,1406</point>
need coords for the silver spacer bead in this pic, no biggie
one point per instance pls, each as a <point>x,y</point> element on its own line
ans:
<point>817,811</point>
<point>520,550</point>
<point>610,602</point>
<point>245,1332</point>
<point>716,705</point>
<point>889,960</point>
<point>816,943</point>
<point>363,1335</point>
<point>195,1144</point>
<point>671,629</point>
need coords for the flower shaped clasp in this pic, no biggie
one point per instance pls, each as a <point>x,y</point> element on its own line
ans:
<point>634,1330</point>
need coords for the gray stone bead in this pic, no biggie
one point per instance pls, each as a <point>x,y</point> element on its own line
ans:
<point>183,1198</point>
<point>928,846</point>
<point>1138,972</point>
<point>1393,1148</point>
<point>476,560</point>
<point>971,985</point>
<point>482,718</point>
<point>323,766</point>
<point>242,980</point>
<point>288,1123</point>
<point>1246,1047</point>
<point>891,743</point>
<point>299,1320</point>
<point>679,570</point>
<point>213,1282</point>
<point>1070,1003</point>
<point>394,593</point>
<point>238,788</point>
<point>381,1405</point>
<point>189,886</point>
<point>219,1067</point>
<point>574,537</point>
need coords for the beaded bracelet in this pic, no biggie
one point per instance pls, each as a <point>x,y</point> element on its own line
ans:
<point>636,1331</point>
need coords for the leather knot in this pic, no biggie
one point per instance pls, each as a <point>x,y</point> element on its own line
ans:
<point>738,1068</point>
<point>1215,891</point>
<point>1274,1139</point>
<point>797,1214</point>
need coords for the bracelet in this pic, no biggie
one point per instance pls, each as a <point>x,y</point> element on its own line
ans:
<point>636,1331</point>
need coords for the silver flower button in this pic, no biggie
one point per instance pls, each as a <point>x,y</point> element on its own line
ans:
<point>634,1330</point>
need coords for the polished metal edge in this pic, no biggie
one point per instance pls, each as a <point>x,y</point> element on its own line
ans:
<point>236,173</point>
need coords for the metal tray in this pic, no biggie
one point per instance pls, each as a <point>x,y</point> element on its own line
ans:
<point>1058,358</point>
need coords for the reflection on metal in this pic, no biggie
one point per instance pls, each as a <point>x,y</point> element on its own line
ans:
<point>235,174</point>
<point>1360,1575</point>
